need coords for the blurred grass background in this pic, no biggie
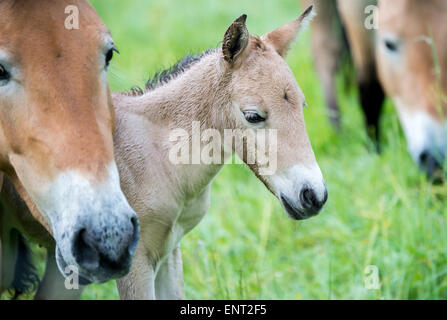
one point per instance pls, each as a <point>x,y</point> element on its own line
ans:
<point>381,211</point>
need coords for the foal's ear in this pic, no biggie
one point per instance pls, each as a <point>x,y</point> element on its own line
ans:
<point>235,40</point>
<point>283,37</point>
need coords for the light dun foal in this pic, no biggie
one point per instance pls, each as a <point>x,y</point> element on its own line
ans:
<point>245,85</point>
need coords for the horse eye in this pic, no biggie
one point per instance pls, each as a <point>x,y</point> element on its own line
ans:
<point>391,46</point>
<point>109,55</point>
<point>4,75</point>
<point>253,117</point>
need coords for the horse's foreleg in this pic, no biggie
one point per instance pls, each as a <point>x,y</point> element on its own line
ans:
<point>138,284</point>
<point>169,280</point>
<point>52,286</point>
<point>372,97</point>
<point>328,48</point>
<point>362,44</point>
<point>9,253</point>
<point>0,265</point>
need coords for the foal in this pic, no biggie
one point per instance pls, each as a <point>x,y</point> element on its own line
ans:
<point>245,85</point>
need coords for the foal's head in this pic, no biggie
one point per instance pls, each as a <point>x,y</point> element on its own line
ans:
<point>56,119</point>
<point>265,95</point>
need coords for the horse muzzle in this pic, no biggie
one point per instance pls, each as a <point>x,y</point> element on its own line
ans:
<point>309,204</point>
<point>95,229</point>
<point>301,190</point>
<point>101,253</point>
<point>431,165</point>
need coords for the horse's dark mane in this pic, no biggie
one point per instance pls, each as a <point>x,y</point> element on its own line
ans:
<point>162,77</point>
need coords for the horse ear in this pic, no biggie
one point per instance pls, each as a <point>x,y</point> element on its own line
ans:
<point>235,40</point>
<point>283,37</point>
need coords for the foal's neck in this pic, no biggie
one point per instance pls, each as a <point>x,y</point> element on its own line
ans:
<point>199,95</point>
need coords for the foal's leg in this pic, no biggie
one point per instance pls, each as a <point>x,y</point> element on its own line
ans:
<point>52,286</point>
<point>138,284</point>
<point>169,280</point>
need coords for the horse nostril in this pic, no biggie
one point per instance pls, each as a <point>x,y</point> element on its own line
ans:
<point>135,236</point>
<point>325,198</point>
<point>84,251</point>
<point>308,198</point>
<point>423,158</point>
<point>429,163</point>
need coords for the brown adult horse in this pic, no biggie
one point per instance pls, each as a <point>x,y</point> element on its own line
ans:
<point>411,53</point>
<point>56,122</point>
<point>406,57</point>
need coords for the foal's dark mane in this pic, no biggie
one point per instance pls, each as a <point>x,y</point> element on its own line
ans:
<point>162,77</point>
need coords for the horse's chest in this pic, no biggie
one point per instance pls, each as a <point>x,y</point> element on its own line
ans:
<point>191,215</point>
<point>194,211</point>
<point>189,219</point>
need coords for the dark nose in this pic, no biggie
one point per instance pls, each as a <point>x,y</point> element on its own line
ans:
<point>109,251</point>
<point>430,164</point>
<point>310,202</point>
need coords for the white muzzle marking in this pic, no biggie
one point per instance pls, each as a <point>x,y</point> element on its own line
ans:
<point>423,133</point>
<point>291,181</point>
<point>72,203</point>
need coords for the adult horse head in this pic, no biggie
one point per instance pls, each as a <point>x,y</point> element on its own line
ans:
<point>56,123</point>
<point>412,62</point>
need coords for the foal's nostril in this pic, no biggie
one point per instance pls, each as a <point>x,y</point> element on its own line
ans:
<point>84,251</point>
<point>308,198</point>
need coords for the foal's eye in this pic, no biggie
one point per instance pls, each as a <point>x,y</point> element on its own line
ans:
<point>4,75</point>
<point>391,46</point>
<point>253,117</point>
<point>109,55</point>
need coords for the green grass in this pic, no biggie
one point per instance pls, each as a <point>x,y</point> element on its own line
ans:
<point>381,210</point>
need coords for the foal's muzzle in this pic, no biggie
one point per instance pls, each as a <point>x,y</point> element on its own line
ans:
<point>301,190</point>
<point>307,205</point>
